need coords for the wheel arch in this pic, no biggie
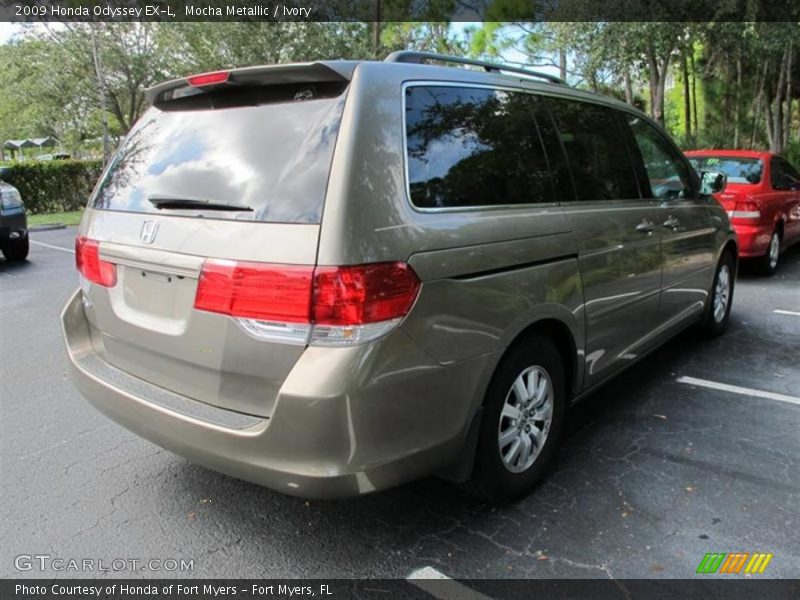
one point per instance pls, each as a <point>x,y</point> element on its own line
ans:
<point>561,335</point>
<point>732,247</point>
<point>780,226</point>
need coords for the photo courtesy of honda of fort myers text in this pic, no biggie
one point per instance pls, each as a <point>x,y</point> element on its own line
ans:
<point>399,299</point>
<point>166,589</point>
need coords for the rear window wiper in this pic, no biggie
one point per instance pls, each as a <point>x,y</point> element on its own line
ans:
<point>193,203</point>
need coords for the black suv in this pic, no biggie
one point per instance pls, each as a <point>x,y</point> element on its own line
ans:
<point>13,224</point>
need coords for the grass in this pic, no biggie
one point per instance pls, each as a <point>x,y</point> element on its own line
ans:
<point>65,218</point>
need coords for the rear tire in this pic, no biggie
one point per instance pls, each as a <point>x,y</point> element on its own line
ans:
<point>17,250</point>
<point>768,264</point>
<point>522,420</point>
<point>720,297</point>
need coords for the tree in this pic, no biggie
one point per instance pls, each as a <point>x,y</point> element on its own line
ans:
<point>198,46</point>
<point>434,37</point>
<point>40,96</point>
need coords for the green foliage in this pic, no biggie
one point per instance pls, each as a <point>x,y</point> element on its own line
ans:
<point>424,37</point>
<point>63,218</point>
<point>738,73</point>
<point>53,186</point>
<point>792,153</point>
<point>197,46</point>
<point>66,81</point>
<point>488,40</point>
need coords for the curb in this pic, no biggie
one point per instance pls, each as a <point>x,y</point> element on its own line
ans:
<point>49,227</point>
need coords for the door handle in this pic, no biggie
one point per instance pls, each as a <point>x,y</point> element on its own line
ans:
<point>672,223</point>
<point>646,226</point>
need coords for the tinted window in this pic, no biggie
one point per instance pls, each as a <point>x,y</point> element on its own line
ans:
<point>473,147</point>
<point>665,170</point>
<point>271,156</point>
<point>557,160</point>
<point>783,175</point>
<point>595,147</point>
<point>738,170</point>
<point>790,170</point>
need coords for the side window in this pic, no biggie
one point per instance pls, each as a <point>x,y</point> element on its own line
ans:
<point>473,147</point>
<point>559,165</point>
<point>596,150</point>
<point>776,175</point>
<point>783,175</point>
<point>667,173</point>
<point>791,171</point>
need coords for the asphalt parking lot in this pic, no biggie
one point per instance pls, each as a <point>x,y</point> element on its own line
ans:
<point>656,469</point>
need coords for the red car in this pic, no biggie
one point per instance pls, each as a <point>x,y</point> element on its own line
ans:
<point>762,199</point>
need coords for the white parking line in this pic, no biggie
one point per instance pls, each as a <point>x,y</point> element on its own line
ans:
<point>791,313</point>
<point>735,389</point>
<point>439,585</point>
<point>53,247</point>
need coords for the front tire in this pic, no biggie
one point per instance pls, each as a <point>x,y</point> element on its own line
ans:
<point>720,298</point>
<point>523,417</point>
<point>17,250</point>
<point>768,264</point>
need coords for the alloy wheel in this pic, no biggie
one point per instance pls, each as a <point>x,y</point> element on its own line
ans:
<point>774,250</point>
<point>722,293</point>
<point>525,419</point>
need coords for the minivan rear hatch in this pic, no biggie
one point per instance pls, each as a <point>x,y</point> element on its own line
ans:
<point>223,171</point>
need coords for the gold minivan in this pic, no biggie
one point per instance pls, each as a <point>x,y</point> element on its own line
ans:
<point>332,278</point>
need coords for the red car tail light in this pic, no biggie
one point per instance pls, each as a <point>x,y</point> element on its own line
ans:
<point>303,304</point>
<point>89,264</point>
<point>745,209</point>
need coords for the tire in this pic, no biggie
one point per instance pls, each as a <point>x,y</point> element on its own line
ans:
<point>768,264</point>
<point>718,309</point>
<point>537,361</point>
<point>17,250</point>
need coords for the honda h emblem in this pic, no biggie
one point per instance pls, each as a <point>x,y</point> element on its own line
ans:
<point>149,231</point>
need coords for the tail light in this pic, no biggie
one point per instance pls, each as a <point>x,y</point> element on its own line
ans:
<point>89,264</point>
<point>307,305</point>
<point>255,291</point>
<point>745,209</point>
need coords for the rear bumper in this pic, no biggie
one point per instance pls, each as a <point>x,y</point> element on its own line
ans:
<point>753,239</point>
<point>349,440</point>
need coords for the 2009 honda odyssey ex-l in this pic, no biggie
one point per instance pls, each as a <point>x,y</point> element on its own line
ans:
<point>336,277</point>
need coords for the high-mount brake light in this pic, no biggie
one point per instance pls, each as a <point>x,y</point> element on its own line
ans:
<point>89,264</point>
<point>204,79</point>
<point>302,304</point>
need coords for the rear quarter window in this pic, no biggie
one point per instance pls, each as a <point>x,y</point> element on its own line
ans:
<point>473,147</point>
<point>738,170</point>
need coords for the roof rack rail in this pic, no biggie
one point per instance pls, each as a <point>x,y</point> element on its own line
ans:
<point>411,56</point>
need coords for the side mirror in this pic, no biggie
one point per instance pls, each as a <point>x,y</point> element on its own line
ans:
<point>712,182</point>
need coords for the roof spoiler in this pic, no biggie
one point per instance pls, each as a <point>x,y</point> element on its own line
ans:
<point>316,72</point>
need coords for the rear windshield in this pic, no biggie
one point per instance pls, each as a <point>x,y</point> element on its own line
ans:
<point>271,156</point>
<point>738,170</point>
